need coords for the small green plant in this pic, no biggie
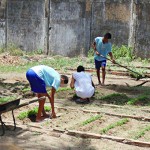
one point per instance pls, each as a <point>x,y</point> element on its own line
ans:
<point>111,126</point>
<point>32,112</point>
<point>91,52</point>
<point>142,100</point>
<point>93,118</point>
<point>13,50</point>
<point>26,90</point>
<point>142,132</point>
<point>7,99</point>
<point>116,98</point>
<point>123,51</point>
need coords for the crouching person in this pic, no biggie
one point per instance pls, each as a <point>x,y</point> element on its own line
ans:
<point>83,85</point>
<point>40,77</point>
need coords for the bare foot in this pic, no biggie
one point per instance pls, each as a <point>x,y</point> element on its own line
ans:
<point>46,116</point>
<point>53,115</point>
<point>39,119</point>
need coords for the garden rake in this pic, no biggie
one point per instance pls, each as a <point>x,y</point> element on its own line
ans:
<point>139,76</point>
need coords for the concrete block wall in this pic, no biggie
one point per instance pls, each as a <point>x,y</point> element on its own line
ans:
<point>68,27</point>
<point>111,16</point>
<point>70,32</point>
<point>26,24</point>
<point>2,23</point>
<point>142,30</point>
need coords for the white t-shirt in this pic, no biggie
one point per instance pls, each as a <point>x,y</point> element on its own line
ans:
<point>83,84</point>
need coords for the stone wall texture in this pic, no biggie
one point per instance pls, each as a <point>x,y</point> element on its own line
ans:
<point>68,27</point>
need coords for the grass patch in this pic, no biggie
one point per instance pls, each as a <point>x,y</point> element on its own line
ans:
<point>142,132</point>
<point>7,99</point>
<point>64,89</point>
<point>26,90</point>
<point>116,98</point>
<point>111,126</point>
<point>141,100</point>
<point>32,112</point>
<point>93,118</point>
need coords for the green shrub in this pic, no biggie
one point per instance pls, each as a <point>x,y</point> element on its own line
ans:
<point>123,51</point>
<point>116,98</point>
<point>32,112</point>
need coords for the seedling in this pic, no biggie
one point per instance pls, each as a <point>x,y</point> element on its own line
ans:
<point>93,118</point>
<point>142,132</point>
<point>111,126</point>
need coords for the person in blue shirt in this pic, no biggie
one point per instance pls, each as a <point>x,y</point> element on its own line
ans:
<point>102,48</point>
<point>40,77</point>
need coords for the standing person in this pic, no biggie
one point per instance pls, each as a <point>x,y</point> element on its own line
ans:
<point>102,48</point>
<point>40,77</point>
<point>83,84</point>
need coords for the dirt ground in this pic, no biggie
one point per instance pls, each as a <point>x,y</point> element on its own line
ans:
<point>52,134</point>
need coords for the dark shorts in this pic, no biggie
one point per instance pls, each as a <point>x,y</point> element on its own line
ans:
<point>99,64</point>
<point>36,83</point>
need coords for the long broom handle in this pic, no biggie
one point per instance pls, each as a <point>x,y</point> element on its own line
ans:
<point>122,65</point>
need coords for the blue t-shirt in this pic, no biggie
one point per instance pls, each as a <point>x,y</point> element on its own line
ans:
<point>48,74</point>
<point>102,48</point>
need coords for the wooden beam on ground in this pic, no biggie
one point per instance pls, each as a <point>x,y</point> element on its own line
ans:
<point>99,136</point>
<point>141,118</point>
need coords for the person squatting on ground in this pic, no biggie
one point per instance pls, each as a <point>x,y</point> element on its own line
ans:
<point>102,48</point>
<point>40,77</point>
<point>83,84</point>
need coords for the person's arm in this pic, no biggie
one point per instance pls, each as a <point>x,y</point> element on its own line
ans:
<point>51,98</point>
<point>72,82</point>
<point>111,56</point>
<point>93,84</point>
<point>95,50</point>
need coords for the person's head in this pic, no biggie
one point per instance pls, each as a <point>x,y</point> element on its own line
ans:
<point>64,80</point>
<point>107,36</point>
<point>80,68</point>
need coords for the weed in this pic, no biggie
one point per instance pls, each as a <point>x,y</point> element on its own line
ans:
<point>123,52</point>
<point>116,98</point>
<point>91,52</point>
<point>142,132</point>
<point>13,50</point>
<point>93,118</point>
<point>111,126</point>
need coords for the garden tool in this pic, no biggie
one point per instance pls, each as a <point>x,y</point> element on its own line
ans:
<point>139,76</point>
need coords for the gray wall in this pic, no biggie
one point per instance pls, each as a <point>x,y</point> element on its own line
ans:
<point>74,24</point>
<point>2,22</point>
<point>26,23</point>
<point>142,33</point>
<point>70,33</point>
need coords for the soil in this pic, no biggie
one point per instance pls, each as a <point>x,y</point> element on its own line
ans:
<point>30,135</point>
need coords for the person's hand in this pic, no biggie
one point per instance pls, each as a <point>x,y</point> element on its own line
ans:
<point>113,61</point>
<point>97,53</point>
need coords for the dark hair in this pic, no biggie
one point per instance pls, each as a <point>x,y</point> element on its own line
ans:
<point>65,78</point>
<point>107,35</point>
<point>80,68</point>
